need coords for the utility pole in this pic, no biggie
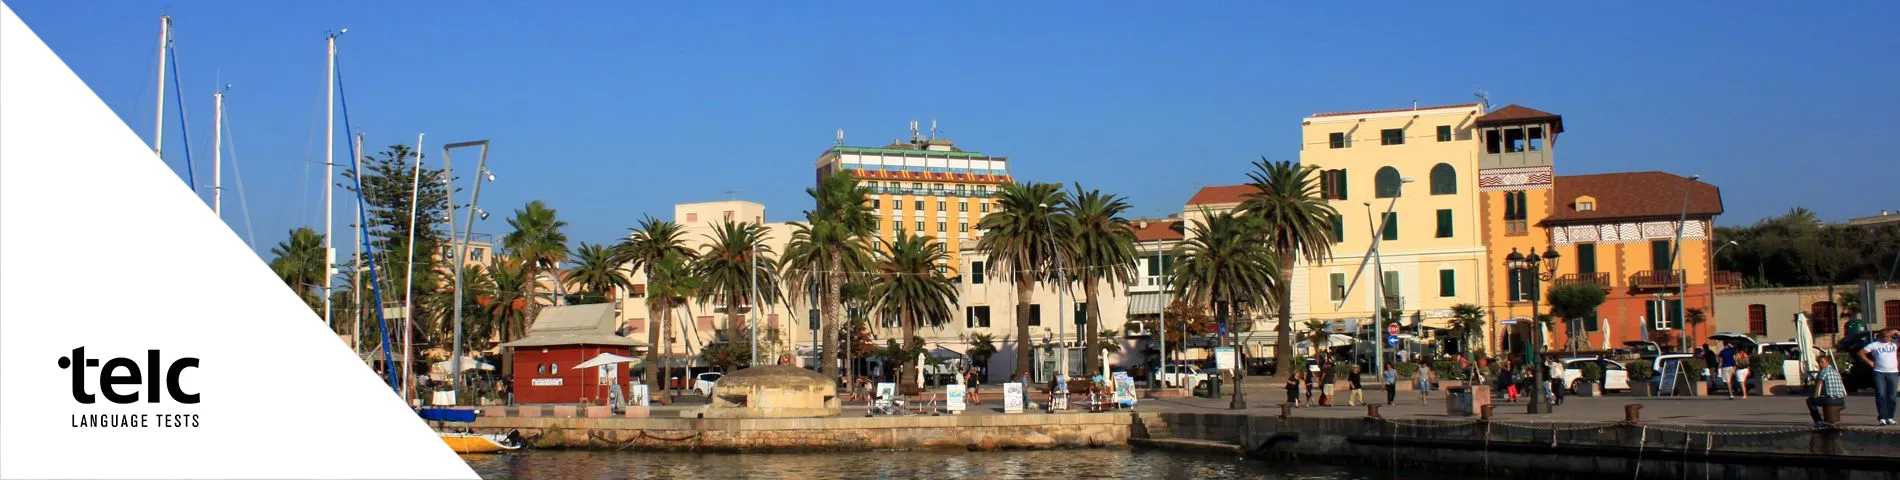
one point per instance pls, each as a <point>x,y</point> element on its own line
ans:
<point>217,150</point>
<point>329,175</point>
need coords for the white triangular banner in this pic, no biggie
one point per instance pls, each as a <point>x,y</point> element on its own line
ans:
<point>103,247</point>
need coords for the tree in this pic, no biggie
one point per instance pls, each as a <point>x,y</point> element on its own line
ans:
<point>670,285</point>
<point>1222,267</point>
<point>727,267</point>
<point>299,262</point>
<point>910,285</point>
<point>390,189</point>
<point>1104,246</point>
<point>505,305</point>
<point>1468,321</point>
<point>596,273</point>
<point>1108,341</point>
<point>1576,303</point>
<point>478,330</point>
<point>827,247</point>
<point>855,299</point>
<point>982,346</point>
<point>1024,238</point>
<point>1286,198</point>
<point>1695,318</point>
<point>727,356</point>
<point>1189,317</point>
<point>538,242</point>
<point>1317,336</point>
<point>651,242</point>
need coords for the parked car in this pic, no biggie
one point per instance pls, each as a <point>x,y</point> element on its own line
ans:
<point>1180,375</point>
<point>1615,377</point>
<point>704,382</point>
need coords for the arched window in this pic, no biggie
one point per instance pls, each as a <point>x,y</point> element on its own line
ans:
<point>1893,313</point>
<point>1386,183</point>
<point>1444,180</point>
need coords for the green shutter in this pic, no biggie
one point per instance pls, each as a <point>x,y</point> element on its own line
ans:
<point>1339,228</point>
<point>1391,288</point>
<point>1517,286</point>
<point>1081,313</point>
<point>1675,313</point>
<point>1339,184</point>
<point>1659,253</point>
<point>1391,226</point>
<point>1444,223</point>
<point>1586,258</point>
<point>1338,291</point>
<point>1510,205</point>
<point>1447,283</point>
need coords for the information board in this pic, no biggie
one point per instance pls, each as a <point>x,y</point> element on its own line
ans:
<point>1224,358</point>
<point>1013,397</point>
<point>953,398</point>
<point>1124,389</point>
<point>1671,370</point>
<point>639,394</point>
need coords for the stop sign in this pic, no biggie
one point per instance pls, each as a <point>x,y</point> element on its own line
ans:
<point>1392,328</point>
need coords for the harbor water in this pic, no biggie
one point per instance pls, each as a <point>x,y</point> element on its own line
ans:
<point>934,465</point>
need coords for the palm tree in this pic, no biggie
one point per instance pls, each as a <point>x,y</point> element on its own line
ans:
<point>652,241</point>
<point>727,266</point>
<point>298,261</point>
<point>1024,236</point>
<point>477,332</point>
<point>1468,321</point>
<point>911,285</point>
<point>670,285</point>
<point>506,303</point>
<point>1286,199</point>
<point>1104,246</point>
<point>829,245</point>
<point>1222,266</point>
<point>1317,336</point>
<point>982,346</point>
<point>595,271</point>
<point>855,299</point>
<point>538,242</point>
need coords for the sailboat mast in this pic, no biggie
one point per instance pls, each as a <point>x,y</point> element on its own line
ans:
<point>329,174</point>
<point>217,146</point>
<point>409,278</point>
<point>158,119</point>
<point>356,326</point>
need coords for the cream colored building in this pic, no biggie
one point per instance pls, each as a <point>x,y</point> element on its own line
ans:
<point>698,324</point>
<point>924,185</point>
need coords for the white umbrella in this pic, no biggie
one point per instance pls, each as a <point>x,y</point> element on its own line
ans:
<point>1805,339</point>
<point>1606,333</point>
<point>606,359</point>
<point>443,367</point>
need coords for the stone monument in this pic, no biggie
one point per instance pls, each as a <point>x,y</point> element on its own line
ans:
<point>773,391</point>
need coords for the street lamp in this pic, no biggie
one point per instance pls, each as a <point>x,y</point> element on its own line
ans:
<point>1527,265</point>
<point>461,252</point>
<point>1161,327</point>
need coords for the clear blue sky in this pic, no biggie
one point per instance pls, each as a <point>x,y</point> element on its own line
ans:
<point>611,110</point>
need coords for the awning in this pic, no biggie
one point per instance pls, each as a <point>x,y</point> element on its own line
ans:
<point>1148,303</point>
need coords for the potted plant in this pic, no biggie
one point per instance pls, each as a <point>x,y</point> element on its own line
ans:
<point>1592,377</point>
<point>1640,375</point>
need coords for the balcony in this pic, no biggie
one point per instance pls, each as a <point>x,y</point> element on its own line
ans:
<point>1601,279</point>
<point>1727,280</point>
<point>1652,279</point>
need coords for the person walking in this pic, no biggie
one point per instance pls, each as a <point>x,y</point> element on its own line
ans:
<point>1424,378</point>
<point>1391,384</point>
<point>1356,383</point>
<point>1741,372</point>
<point>1728,369</point>
<point>1311,379</point>
<point>1293,389</point>
<point>1828,393</point>
<point>1326,383</point>
<point>1554,377</point>
<point>1881,354</point>
<point>1508,378</point>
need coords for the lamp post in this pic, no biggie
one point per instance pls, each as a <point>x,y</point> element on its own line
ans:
<point>1675,259</point>
<point>1161,329</point>
<point>1062,337</point>
<point>1528,265</point>
<point>461,252</point>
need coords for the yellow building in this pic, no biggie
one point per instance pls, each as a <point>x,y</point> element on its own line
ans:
<point>924,186</point>
<point>1417,164</point>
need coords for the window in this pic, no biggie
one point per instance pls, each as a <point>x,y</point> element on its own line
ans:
<point>1444,223</point>
<point>920,205</point>
<point>940,227</point>
<point>1893,313</point>
<point>963,227</point>
<point>986,207</point>
<point>976,317</point>
<point>897,225</point>
<point>1516,284</point>
<point>1081,314</point>
<point>1822,319</point>
<point>1493,143</point>
<point>976,273</point>
<point>1332,184</point>
<point>960,190</point>
<point>1035,315</point>
<point>1392,136</point>
<point>871,185</point>
<point>728,215</point>
<point>1386,183</point>
<point>1659,260</point>
<point>897,205</point>
<point>1391,227</point>
<point>1587,258</point>
<point>1757,319</point>
<point>1339,286</point>
<point>917,188</point>
<point>1336,139</point>
<point>963,207</point>
<point>941,207</point>
<point>1391,287</point>
<point>1447,283</point>
<point>1514,140</point>
<point>1665,314</point>
<point>475,254</point>
<point>876,204</point>
<point>920,226</point>
<point>1444,133</point>
<point>692,217</point>
<point>1516,206</point>
<point>1586,206</point>
<point>1339,228</point>
<point>1536,142</point>
<point>1444,180</point>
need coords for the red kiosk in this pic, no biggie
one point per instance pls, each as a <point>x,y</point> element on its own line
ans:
<point>562,337</point>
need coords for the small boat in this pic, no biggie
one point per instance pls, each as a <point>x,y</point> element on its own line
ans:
<point>467,441</point>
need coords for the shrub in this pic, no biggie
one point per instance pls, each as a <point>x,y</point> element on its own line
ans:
<point>1693,368</point>
<point>1448,370</point>
<point>1641,372</point>
<point>1592,372</point>
<point>1768,365</point>
<point>1408,370</point>
<point>1299,364</point>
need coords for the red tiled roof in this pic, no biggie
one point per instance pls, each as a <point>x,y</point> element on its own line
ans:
<point>1220,194</point>
<point>1517,114</point>
<point>1158,230</point>
<point>1390,110</point>
<point>1630,196</point>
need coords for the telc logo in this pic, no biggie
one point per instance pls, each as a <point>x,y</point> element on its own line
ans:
<point>111,375</point>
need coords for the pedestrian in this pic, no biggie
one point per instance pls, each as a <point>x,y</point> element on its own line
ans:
<point>969,375</point>
<point>1310,380</point>
<point>1554,381</point>
<point>1829,393</point>
<point>1728,369</point>
<point>1326,383</point>
<point>1293,389</point>
<point>1424,377</point>
<point>1741,372</point>
<point>1356,382</point>
<point>1508,378</point>
<point>1881,354</point>
<point>1391,384</point>
<point>1711,366</point>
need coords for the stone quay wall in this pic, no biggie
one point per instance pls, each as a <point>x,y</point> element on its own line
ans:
<point>1647,449</point>
<point>958,432</point>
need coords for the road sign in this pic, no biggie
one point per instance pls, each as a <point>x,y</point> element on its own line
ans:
<point>1392,339</point>
<point>1392,328</point>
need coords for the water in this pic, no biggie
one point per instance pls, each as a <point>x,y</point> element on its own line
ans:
<point>1104,463</point>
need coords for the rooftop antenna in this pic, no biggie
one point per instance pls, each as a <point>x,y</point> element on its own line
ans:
<point>933,129</point>
<point>732,194</point>
<point>913,131</point>
<point>1415,104</point>
<point>840,137</point>
<point>1484,98</point>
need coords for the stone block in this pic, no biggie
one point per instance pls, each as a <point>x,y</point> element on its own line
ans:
<point>495,412</point>
<point>599,411</point>
<point>638,412</point>
<point>528,412</point>
<point>565,411</point>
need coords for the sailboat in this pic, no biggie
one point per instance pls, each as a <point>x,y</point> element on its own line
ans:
<point>467,441</point>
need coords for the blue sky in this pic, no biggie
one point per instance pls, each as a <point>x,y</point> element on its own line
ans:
<point>611,110</point>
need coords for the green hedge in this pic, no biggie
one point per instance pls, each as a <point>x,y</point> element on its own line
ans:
<point>1641,372</point>
<point>1767,365</point>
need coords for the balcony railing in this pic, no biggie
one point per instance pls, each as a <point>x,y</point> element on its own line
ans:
<point>1656,279</point>
<point>1728,280</point>
<point>1601,279</point>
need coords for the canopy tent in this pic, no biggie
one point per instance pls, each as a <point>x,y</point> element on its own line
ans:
<point>608,359</point>
<point>1332,341</point>
<point>443,367</point>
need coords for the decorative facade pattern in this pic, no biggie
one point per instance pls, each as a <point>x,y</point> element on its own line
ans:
<point>1626,232</point>
<point>1514,179</point>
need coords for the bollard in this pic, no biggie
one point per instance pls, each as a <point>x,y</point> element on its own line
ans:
<point>1372,410</point>
<point>1831,414</point>
<point>1484,413</point>
<point>1286,410</point>
<point>1633,413</point>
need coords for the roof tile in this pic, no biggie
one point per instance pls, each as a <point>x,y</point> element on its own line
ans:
<point>1220,194</point>
<point>1631,195</point>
